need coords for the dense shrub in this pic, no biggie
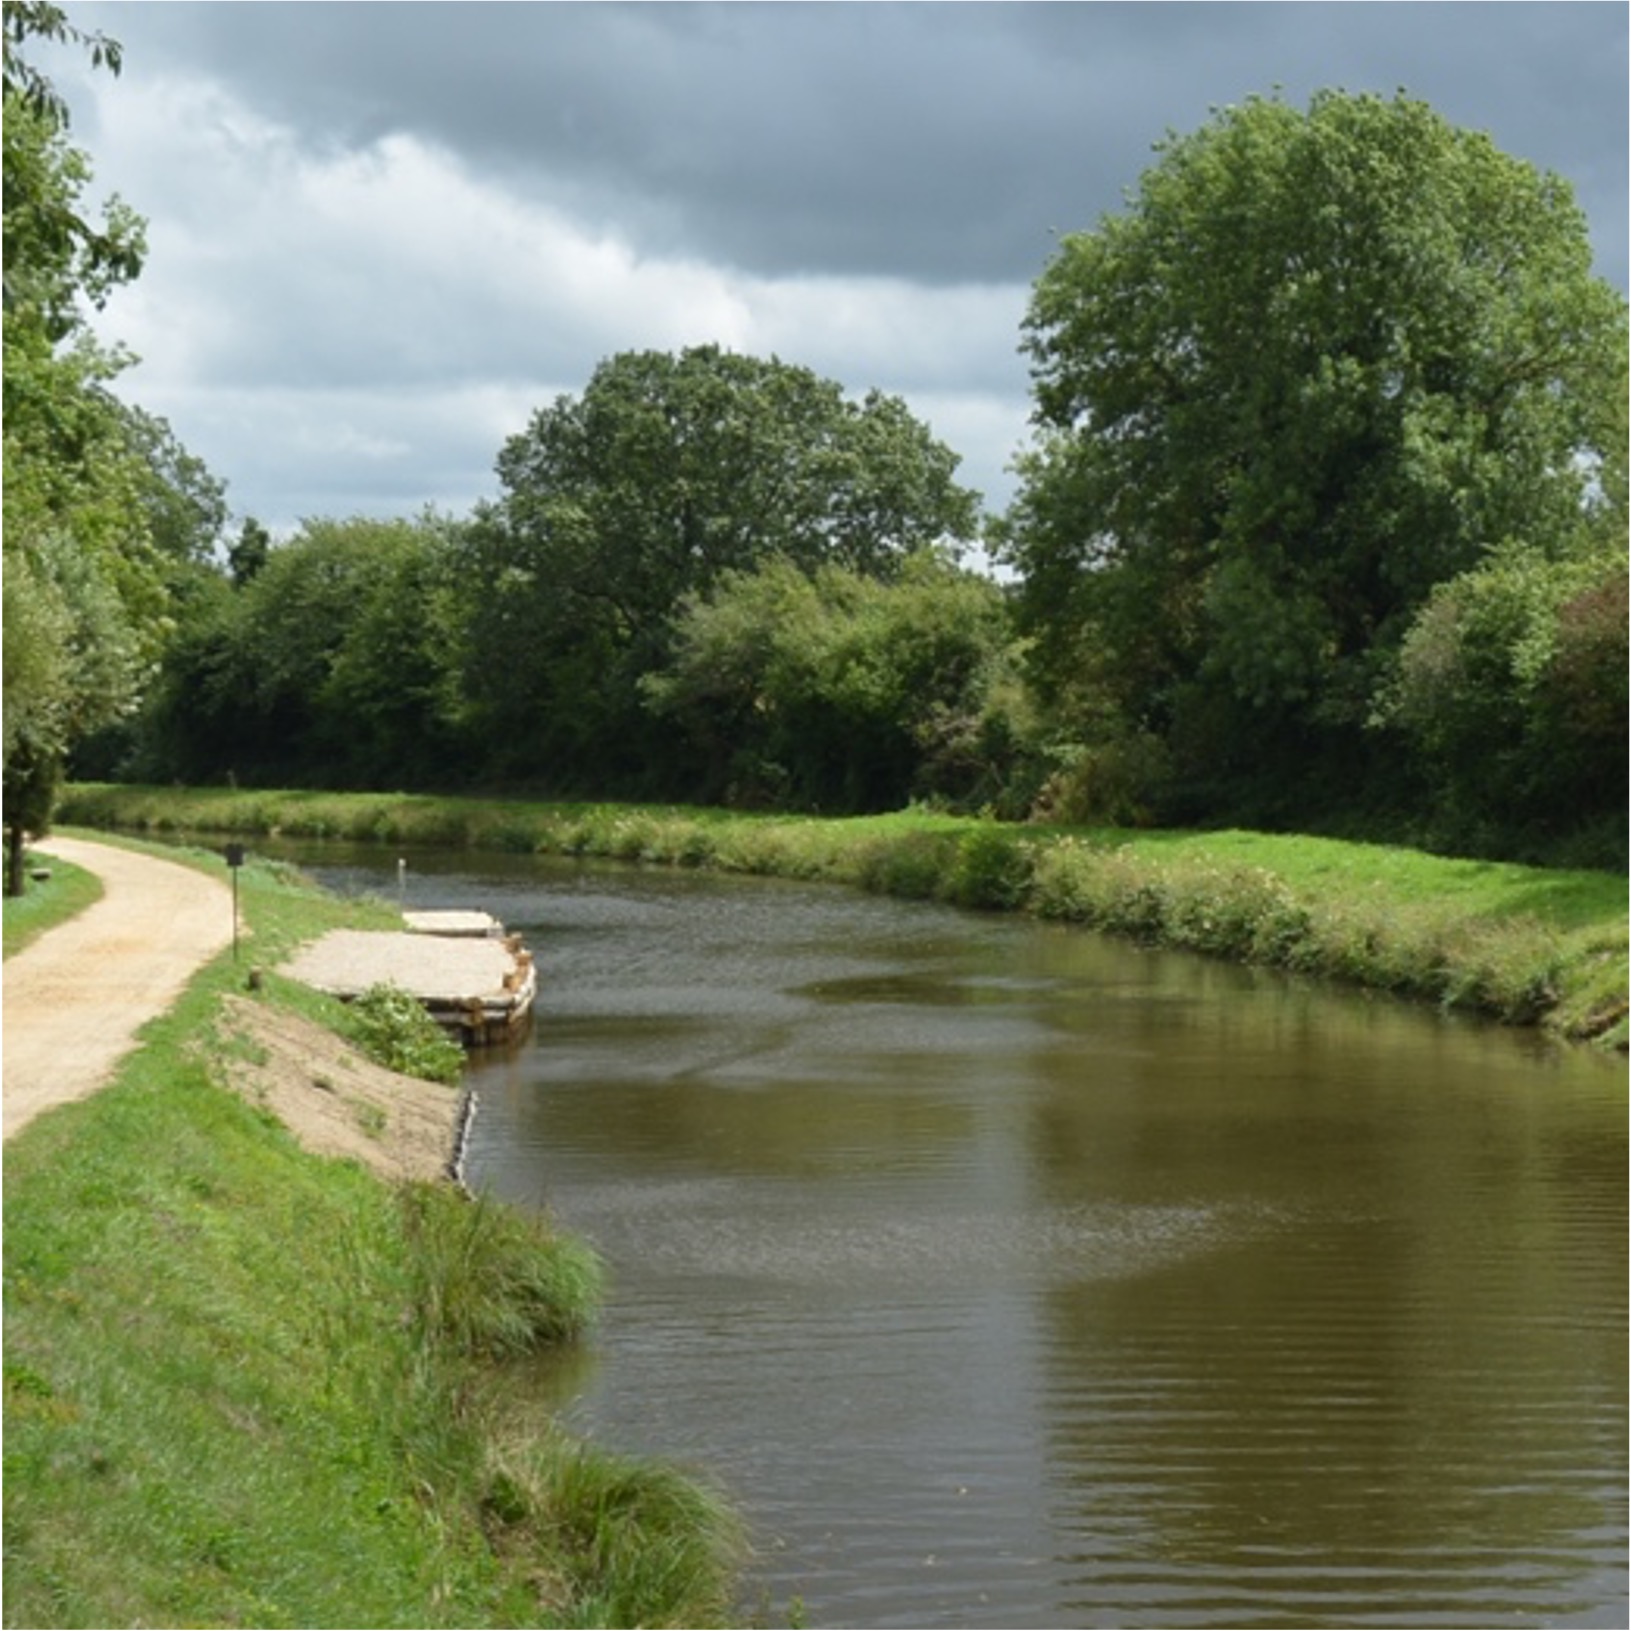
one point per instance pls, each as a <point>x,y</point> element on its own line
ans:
<point>913,866</point>
<point>394,1030</point>
<point>992,869</point>
<point>1511,696</point>
<point>834,690</point>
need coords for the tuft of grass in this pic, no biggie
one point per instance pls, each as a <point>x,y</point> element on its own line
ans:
<point>622,1532</point>
<point>493,1280</point>
<point>48,902</point>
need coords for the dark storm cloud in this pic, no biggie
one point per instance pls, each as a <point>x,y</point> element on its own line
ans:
<point>941,143</point>
<point>382,235</point>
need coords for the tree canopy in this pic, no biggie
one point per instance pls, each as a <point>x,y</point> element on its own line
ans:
<point>335,662</point>
<point>108,518</point>
<point>84,600</point>
<point>1321,362</point>
<point>666,472</point>
<point>839,691</point>
<point>1324,525</point>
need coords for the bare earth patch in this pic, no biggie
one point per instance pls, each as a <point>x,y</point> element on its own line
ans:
<point>335,1101</point>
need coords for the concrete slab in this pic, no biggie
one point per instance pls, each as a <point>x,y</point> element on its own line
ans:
<point>457,925</point>
<point>346,962</point>
<point>481,988</point>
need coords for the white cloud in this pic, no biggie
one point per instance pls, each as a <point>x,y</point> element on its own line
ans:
<point>362,328</point>
<point>369,224</point>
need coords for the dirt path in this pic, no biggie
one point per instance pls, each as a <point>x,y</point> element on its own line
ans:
<point>76,997</point>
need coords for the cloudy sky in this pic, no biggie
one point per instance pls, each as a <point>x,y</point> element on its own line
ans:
<point>381,235</point>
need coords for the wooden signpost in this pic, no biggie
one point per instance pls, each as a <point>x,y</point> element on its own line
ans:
<point>235,859</point>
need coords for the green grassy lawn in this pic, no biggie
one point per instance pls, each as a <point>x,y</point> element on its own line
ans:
<point>1491,889</point>
<point>246,1385</point>
<point>47,902</point>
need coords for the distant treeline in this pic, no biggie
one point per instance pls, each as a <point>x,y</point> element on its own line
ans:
<point>370,654</point>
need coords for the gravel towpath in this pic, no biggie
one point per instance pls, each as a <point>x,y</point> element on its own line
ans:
<point>75,998</point>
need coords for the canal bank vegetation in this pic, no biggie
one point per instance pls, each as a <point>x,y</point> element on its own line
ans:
<point>1526,945</point>
<point>247,1385</point>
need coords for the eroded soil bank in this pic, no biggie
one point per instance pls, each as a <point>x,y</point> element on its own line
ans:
<point>333,1100</point>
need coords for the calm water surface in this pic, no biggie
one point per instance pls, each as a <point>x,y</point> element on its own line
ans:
<point>1009,1276</point>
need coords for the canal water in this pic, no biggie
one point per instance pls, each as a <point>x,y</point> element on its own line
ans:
<point>1005,1275</point>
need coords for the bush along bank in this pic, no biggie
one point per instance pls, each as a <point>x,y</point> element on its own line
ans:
<point>1525,945</point>
<point>245,1384</point>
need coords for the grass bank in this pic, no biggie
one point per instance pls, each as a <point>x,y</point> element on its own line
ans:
<point>1526,945</point>
<point>52,899</point>
<point>246,1385</point>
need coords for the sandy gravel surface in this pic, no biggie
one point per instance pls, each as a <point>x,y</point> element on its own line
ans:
<point>347,962</point>
<point>75,999</point>
<point>336,1102</point>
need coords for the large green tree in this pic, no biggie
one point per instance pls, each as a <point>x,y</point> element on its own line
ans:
<point>84,590</point>
<point>333,664</point>
<point>1322,361</point>
<point>183,505</point>
<point>667,471</point>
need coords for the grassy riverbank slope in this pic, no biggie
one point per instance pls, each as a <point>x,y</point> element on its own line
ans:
<point>247,1385</point>
<point>1526,945</point>
<point>29,915</point>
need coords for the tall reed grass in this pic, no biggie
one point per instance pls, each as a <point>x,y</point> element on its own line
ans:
<point>493,1280</point>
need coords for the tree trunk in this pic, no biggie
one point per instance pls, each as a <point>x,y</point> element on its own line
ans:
<point>14,858</point>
